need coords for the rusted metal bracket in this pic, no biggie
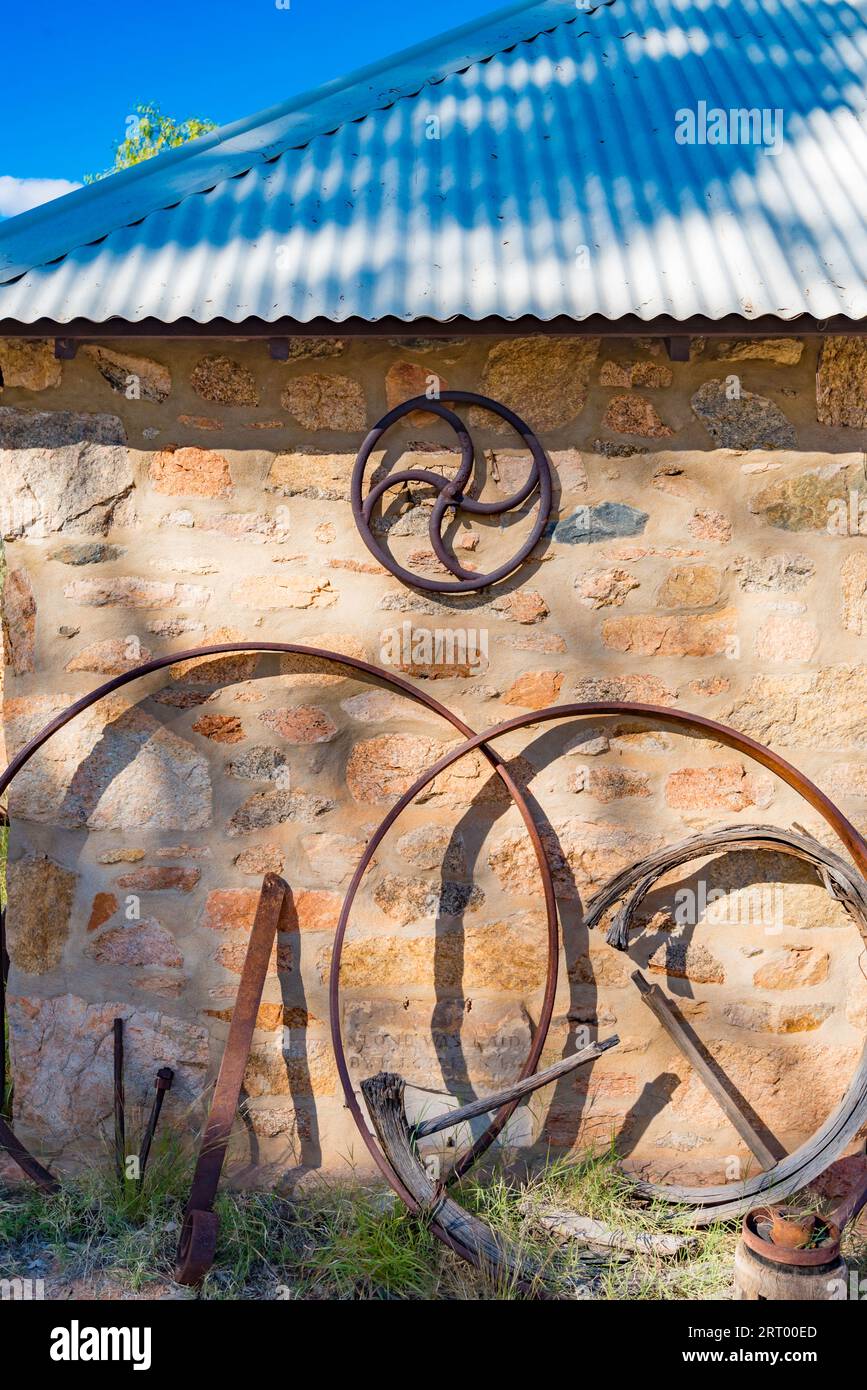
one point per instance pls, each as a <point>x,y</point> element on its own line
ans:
<point>451,493</point>
<point>198,1243</point>
<point>677,348</point>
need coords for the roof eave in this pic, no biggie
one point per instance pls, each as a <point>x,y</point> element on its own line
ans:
<point>258,330</point>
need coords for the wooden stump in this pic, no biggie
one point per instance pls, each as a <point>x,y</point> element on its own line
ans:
<point>758,1280</point>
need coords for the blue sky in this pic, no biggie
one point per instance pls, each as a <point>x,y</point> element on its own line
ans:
<point>79,70</point>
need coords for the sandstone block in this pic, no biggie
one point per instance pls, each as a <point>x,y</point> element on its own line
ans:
<point>39,910</point>
<point>841,398</point>
<point>61,471</point>
<point>749,422</point>
<point>793,968</point>
<point>111,657</point>
<point>690,586</point>
<point>635,415</point>
<point>132,592</point>
<point>320,402</point>
<point>113,768</point>
<point>853,588</point>
<point>19,622</point>
<point>651,634</point>
<point>29,363</point>
<point>542,379</point>
<point>272,592</point>
<point>224,382</point>
<point>137,378</point>
<point>687,960</point>
<point>65,1026</point>
<point>604,588</point>
<point>535,689</point>
<point>303,724</point>
<point>137,944</point>
<point>190,472</point>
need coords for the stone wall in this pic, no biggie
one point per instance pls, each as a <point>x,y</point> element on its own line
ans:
<point>708,552</point>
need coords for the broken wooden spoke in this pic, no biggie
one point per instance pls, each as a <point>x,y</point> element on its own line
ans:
<point>515,1092</point>
<point>469,1236</point>
<point>681,1034</point>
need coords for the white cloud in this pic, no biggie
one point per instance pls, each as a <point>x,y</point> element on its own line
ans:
<point>17,195</point>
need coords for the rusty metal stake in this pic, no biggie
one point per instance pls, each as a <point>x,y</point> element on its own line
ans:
<point>119,1104</point>
<point>198,1243</point>
<point>165,1077</point>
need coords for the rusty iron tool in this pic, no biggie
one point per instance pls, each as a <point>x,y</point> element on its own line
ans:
<point>163,1083</point>
<point>119,1104</point>
<point>198,1243</point>
<point>451,492</point>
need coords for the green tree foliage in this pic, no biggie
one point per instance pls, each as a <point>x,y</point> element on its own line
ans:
<point>149,132</point>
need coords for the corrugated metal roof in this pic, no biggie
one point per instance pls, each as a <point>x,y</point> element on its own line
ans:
<point>555,187</point>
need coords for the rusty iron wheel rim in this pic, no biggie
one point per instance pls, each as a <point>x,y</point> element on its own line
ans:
<point>9,1140</point>
<point>844,1122</point>
<point>450,492</point>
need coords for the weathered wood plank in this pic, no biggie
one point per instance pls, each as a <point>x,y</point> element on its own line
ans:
<point>570,1225</point>
<point>520,1088</point>
<point>476,1241</point>
<point>674,1026</point>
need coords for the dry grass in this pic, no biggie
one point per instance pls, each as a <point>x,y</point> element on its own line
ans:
<point>339,1241</point>
<point>346,1241</point>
